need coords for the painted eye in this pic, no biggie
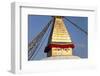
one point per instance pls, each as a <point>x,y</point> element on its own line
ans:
<point>65,49</point>
<point>59,49</point>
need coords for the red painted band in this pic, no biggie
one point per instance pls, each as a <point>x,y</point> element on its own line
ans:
<point>58,46</point>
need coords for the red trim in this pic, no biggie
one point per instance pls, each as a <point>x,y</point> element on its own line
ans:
<point>58,46</point>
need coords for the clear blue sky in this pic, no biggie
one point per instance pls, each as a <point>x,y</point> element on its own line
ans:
<point>36,23</point>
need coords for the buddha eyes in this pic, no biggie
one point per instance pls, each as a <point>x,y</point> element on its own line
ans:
<point>62,49</point>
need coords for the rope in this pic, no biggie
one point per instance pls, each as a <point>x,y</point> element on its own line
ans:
<point>76,26</point>
<point>38,37</point>
<point>41,44</point>
<point>36,41</point>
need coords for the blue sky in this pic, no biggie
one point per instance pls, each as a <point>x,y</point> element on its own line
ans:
<point>37,22</point>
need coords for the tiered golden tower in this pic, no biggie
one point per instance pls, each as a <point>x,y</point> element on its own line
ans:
<point>60,43</point>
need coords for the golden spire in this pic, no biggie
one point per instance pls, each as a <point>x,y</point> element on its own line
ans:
<point>60,42</point>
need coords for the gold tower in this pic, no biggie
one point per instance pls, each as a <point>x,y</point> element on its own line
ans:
<point>60,43</point>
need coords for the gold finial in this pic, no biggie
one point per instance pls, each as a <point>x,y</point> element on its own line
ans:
<point>58,16</point>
